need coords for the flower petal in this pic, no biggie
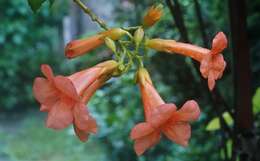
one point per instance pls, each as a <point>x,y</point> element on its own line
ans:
<point>151,98</point>
<point>85,78</point>
<point>44,91</point>
<point>47,71</point>
<point>178,132</point>
<point>82,135</point>
<point>205,65</point>
<point>162,114</point>
<point>141,130</point>
<point>66,87</point>
<point>211,81</point>
<point>45,108</point>
<point>90,91</point>
<point>83,120</point>
<point>190,111</point>
<point>60,115</point>
<point>144,143</point>
<point>219,43</point>
<point>218,66</point>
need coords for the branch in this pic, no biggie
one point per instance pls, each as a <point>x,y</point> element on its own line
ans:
<point>178,18</point>
<point>93,16</point>
<point>201,23</point>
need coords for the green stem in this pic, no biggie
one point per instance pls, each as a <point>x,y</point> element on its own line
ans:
<point>131,28</point>
<point>93,17</point>
<point>140,61</point>
<point>130,61</point>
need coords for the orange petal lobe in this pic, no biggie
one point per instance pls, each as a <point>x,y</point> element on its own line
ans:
<point>190,111</point>
<point>82,135</point>
<point>66,87</point>
<point>219,43</point>
<point>44,92</point>
<point>141,130</point>
<point>144,143</point>
<point>83,120</point>
<point>162,114</point>
<point>178,132</point>
<point>60,115</point>
<point>47,71</point>
<point>211,81</point>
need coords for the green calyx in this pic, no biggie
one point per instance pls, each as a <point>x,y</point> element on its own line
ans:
<point>127,50</point>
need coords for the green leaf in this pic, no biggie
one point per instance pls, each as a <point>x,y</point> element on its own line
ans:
<point>214,124</point>
<point>229,150</point>
<point>256,101</point>
<point>228,118</point>
<point>35,4</point>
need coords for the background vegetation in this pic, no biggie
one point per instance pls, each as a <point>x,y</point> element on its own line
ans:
<point>28,40</point>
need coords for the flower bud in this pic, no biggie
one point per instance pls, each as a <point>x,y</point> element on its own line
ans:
<point>143,76</point>
<point>121,67</point>
<point>108,66</point>
<point>79,47</point>
<point>114,33</point>
<point>138,36</point>
<point>110,44</point>
<point>153,15</point>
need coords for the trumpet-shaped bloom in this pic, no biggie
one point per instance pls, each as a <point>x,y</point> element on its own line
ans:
<point>161,118</point>
<point>64,98</point>
<point>79,47</point>
<point>153,15</point>
<point>212,63</point>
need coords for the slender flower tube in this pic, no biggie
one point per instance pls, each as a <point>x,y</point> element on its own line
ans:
<point>161,118</point>
<point>153,15</point>
<point>64,98</point>
<point>79,47</point>
<point>212,63</point>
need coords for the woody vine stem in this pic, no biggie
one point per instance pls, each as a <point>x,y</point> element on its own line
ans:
<point>93,16</point>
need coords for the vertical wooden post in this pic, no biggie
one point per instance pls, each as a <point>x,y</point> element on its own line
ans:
<point>242,75</point>
<point>242,72</point>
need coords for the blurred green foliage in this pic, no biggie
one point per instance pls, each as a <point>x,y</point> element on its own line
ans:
<point>33,142</point>
<point>26,41</point>
<point>36,4</point>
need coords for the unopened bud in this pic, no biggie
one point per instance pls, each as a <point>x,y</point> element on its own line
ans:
<point>143,76</point>
<point>138,35</point>
<point>110,44</point>
<point>153,15</point>
<point>121,67</point>
<point>114,33</point>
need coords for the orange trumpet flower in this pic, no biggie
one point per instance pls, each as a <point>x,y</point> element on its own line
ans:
<point>212,63</point>
<point>161,118</point>
<point>153,15</point>
<point>79,47</point>
<point>64,98</point>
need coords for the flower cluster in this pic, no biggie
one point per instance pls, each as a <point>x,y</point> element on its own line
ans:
<point>64,98</point>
